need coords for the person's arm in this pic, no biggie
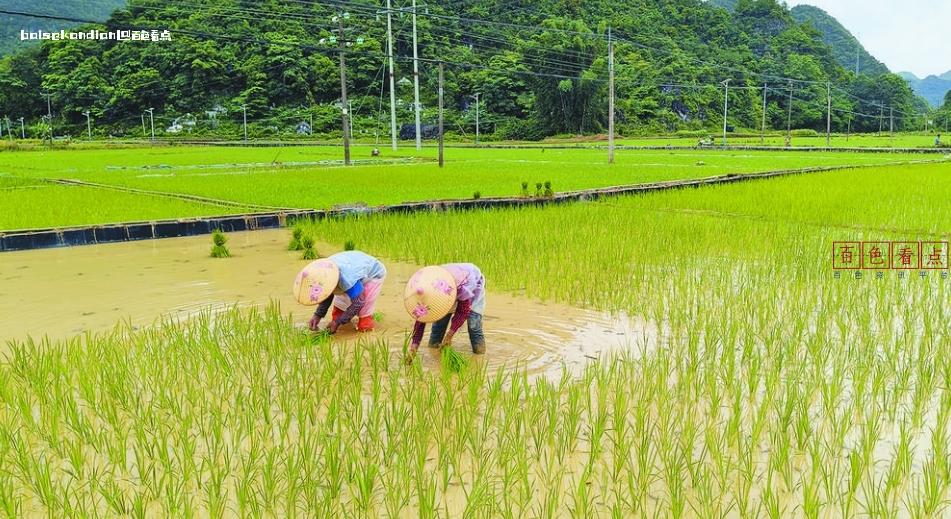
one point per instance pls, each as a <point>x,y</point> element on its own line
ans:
<point>357,301</point>
<point>321,311</point>
<point>463,309</point>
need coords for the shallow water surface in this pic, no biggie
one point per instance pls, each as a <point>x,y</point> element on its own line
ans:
<point>63,292</point>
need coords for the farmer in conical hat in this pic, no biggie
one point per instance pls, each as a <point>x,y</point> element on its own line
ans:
<point>447,296</point>
<point>350,281</point>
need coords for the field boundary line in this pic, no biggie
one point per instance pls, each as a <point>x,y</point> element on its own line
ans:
<point>169,194</point>
<point>26,239</point>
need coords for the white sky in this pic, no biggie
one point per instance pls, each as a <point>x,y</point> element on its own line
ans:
<point>906,35</point>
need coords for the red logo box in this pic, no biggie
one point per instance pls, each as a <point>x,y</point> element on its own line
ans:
<point>876,255</point>
<point>906,255</point>
<point>846,255</point>
<point>934,255</point>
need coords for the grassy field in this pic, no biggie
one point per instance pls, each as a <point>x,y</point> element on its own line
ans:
<point>780,389</point>
<point>312,177</point>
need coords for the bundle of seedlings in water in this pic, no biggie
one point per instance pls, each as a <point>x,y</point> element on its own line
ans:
<point>538,189</point>
<point>308,247</point>
<point>219,250</point>
<point>548,190</point>
<point>296,235</point>
<point>477,195</point>
<point>349,245</point>
<point>525,189</point>
<point>452,360</point>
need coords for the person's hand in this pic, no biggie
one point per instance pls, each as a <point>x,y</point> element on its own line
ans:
<point>446,341</point>
<point>410,356</point>
<point>313,323</point>
<point>332,327</point>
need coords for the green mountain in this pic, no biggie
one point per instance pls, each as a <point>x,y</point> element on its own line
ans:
<point>846,48</point>
<point>932,88</point>
<point>11,25</point>
<point>540,67</point>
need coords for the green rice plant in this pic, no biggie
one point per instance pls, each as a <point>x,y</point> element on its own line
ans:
<point>538,190</point>
<point>297,233</point>
<point>219,249</point>
<point>477,195</point>
<point>549,192</point>
<point>349,245</point>
<point>307,242</point>
<point>524,192</point>
<point>452,361</point>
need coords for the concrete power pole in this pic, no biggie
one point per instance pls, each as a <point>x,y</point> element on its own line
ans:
<point>88,125</point>
<point>9,130</point>
<point>22,129</point>
<point>151,112</point>
<point>891,121</point>
<point>476,96</point>
<point>244,113</point>
<point>881,117</point>
<point>142,116</point>
<point>610,97</point>
<point>789,117</point>
<point>441,158</point>
<point>726,105</point>
<point>49,114</point>
<point>344,105</point>
<point>416,107</point>
<point>762,139</point>
<point>389,52</point>
<point>828,115</point>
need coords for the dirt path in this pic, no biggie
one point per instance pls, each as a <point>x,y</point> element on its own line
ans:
<point>67,291</point>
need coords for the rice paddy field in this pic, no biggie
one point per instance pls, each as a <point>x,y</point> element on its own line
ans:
<point>312,177</point>
<point>775,388</point>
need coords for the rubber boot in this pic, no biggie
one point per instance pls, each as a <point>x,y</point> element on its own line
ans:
<point>479,348</point>
<point>365,324</point>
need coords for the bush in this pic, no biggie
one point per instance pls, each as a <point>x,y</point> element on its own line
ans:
<point>521,130</point>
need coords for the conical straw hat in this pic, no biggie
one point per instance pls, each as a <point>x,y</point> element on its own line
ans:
<point>316,282</point>
<point>430,294</point>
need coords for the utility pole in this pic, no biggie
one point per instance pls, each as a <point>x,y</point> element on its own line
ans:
<point>416,106</point>
<point>891,121</point>
<point>344,104</point>
<point>88,125</point>
<point>828,115</point>
<point>1,127</point>
<point>881,117</point>
<point>762,139</point>
<point>244,112</point>
<point>49,113</point>
<point>142,116</point>
<point>476,96</point>
<point>726,104</point>
<point>9,130</point>
<point>789,117</point>
<point>22,129</point>
<point>389,52</point>
<point>441,158</point>
<point>151,112</point>
<point>610,97</point>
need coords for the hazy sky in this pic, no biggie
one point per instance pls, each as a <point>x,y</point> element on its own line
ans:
<point>912,35</point>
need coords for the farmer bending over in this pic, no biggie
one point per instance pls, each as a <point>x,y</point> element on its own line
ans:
<point>446,296</point>
<point>350,281</point>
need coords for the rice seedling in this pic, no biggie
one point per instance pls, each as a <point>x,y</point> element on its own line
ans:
<point>349,245</point>
<point>219,249</point>
<point>452,360</point>
<point>307,244</point>
<point>297,233</point>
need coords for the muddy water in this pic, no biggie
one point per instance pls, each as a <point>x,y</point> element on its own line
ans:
<point>63,292</point>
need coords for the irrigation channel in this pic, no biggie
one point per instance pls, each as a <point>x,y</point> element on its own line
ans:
<point>60,293</point>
